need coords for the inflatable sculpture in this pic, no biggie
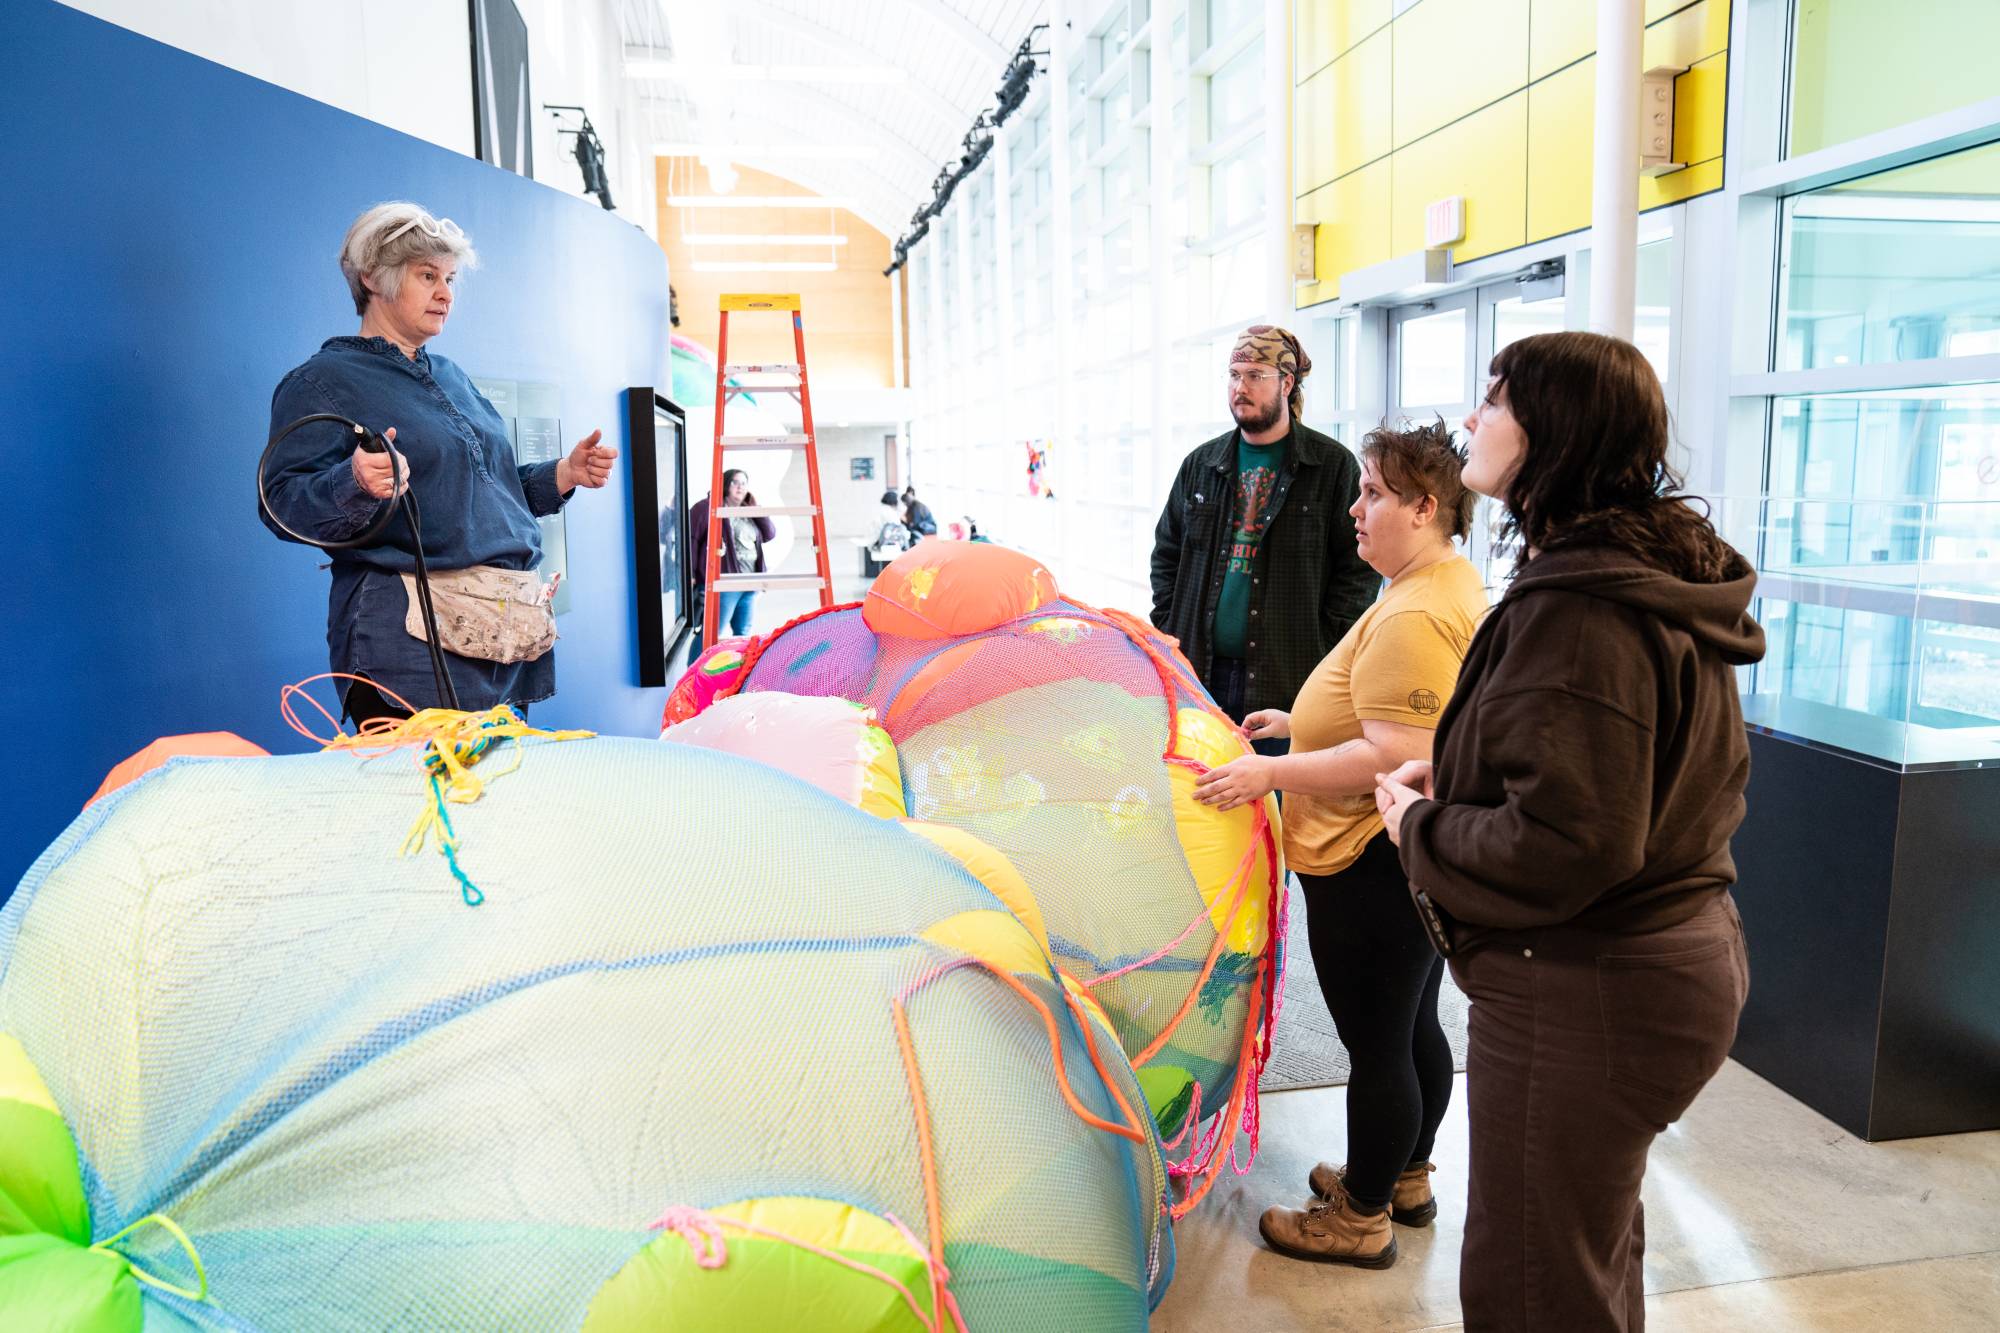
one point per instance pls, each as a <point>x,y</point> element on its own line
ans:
<point>1068,741</point>
<point>713,1050</point>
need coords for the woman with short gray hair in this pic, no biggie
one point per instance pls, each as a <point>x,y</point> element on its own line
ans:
<point>478,505</point>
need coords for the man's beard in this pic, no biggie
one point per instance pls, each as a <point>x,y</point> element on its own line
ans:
<point>1254,421</point>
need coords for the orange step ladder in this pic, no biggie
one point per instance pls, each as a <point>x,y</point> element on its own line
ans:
<point>794,385</point>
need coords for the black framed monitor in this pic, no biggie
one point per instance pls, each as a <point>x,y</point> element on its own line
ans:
<point>662,571</point>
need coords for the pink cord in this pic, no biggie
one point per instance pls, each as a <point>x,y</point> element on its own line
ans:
<point>703,1233</point>
<point>698,1229</point>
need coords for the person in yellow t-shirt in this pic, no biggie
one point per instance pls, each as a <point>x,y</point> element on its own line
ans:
<point>1370,706</point>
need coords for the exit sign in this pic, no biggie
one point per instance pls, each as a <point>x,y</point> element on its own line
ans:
<point>1444,222</point>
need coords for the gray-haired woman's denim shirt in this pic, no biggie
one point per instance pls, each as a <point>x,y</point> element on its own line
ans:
<point>475,504</point>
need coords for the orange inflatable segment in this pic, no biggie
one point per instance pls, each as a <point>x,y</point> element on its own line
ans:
<point>945,590</point>
<point>212,744</point>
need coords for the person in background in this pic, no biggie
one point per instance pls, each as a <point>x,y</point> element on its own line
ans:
<point>1571,845</point>
<point>477,504</point>
<point>1370,707</point>
<point>891,533</point>
<point>742,553</point>
<point>1254,565</point>
<point>917,515</point>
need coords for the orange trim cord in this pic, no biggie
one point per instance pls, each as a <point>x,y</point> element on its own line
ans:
<point>1133,1129</point>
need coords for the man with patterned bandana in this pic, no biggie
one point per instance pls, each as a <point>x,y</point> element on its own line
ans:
<point>1254,563</point>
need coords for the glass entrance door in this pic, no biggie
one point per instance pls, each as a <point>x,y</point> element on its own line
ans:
<point>1438,355</point>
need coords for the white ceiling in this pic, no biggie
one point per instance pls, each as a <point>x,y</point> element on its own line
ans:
<point>954,52</point>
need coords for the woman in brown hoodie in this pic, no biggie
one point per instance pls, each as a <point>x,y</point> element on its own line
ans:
<point>1571,852</point>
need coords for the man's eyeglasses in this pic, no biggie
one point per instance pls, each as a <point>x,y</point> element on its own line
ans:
<point>441,229</point>
<point>1252,376</point>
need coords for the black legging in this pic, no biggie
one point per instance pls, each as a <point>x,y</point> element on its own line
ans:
<point>1380,977</point>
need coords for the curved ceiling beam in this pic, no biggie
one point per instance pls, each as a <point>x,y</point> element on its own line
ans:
<point>818,106</point>
<point>879,201</point>
<point>846,50</point>
<point>976,40</point>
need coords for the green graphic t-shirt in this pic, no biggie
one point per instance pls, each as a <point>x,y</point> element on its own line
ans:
<point>1256,478</point>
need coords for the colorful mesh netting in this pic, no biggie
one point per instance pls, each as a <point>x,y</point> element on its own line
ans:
<point>1070,740</point>
<point>714,1051</point>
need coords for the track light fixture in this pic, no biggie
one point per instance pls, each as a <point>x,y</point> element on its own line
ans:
<point>978,142</point>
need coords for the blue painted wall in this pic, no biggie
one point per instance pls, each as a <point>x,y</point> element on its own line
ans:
<point>171,238</point>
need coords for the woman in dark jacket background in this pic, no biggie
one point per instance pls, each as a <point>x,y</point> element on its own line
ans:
<point>742,553</point>
<point>1572,850</point>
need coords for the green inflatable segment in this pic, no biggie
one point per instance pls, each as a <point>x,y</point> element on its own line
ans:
<point>762,1284</point>
<point>41,1186</point>
<point>1168,1091</point>
<point>49,1277</point>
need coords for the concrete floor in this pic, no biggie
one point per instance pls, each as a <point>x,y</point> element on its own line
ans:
<point>1760,1214</point>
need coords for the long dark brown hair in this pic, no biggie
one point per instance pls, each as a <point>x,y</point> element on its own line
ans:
<point>1595,472</point>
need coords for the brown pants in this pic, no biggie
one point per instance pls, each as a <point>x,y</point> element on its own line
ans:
<point>1583,1048</point>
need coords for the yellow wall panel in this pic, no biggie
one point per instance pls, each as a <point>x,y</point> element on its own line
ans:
<point>1328,29</point>
<point>1697,179</point>
<point>1483,157</point>
<point>1700,96</point>
<point>1353,218</point>
<point>1342,115</point>
<point>1560,32</point>
<point>1453,57</point>
<point>1560,136</point>
<point>1657,10</point>
<point>1696,33</point>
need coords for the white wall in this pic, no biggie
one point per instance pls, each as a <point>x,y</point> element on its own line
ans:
<point>407,64</point>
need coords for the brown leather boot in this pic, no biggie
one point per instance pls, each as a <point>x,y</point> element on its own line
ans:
<point>1411,1205</point>
<point>1331,1232</point>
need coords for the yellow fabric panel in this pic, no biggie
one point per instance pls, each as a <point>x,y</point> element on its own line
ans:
<point>1328,29</point>
<point>1560,32</point>
<point>1659,9</point>
<point>1483,157</point>
<point>990,866</point>
<point>1701,178</point>
<point>997,938</point>
<point>19,1080</point>
<point>821,1222</point>
<point>1561,130</point>
<point>881,776</point>
<point>1453,57</point>
<point>1341,119</point>
<point>1353,218</point>
<point>1214,840</point>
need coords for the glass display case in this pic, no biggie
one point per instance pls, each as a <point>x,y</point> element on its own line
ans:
<point>1882,624</point>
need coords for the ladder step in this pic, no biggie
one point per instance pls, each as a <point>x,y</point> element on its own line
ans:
<point>753,582</point>
<point>765,441</point>
<point>765,511</point>
<point>780,368</point>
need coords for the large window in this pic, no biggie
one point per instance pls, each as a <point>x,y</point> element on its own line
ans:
<point>1899,266</point>
<point>1859,66</point>
<point>1122,303</point>
<point>1877,531</point>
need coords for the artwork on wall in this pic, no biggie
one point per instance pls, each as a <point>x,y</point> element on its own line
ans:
<point>500,124</point>
<point>662,569</point>
<point>861,469</point>
<point>1038,468</point>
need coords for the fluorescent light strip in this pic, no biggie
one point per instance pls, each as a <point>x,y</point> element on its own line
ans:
<point>752,266</point>
<point>724,238</point>
<point>758,201</point>
<point>687,72</point>
<point>733,151</point>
